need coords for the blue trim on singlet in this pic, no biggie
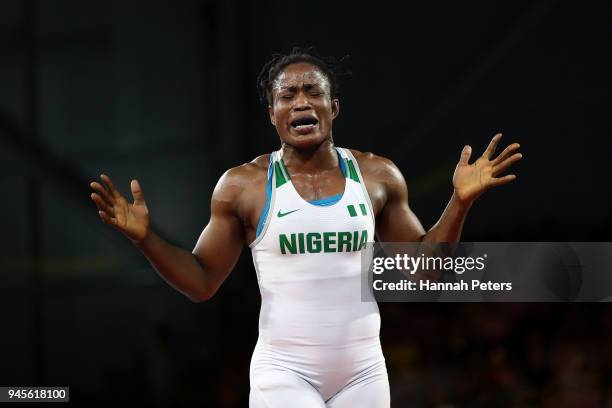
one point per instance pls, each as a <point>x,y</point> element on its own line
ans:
<point>264,214</point>
<point>327,201</point>
<point>322,201</point>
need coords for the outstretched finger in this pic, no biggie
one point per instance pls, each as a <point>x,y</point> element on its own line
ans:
<point>108,220</point>
<point>500,168</point>
<point>137,192</point>
<point>465,155</point>
<point>502,180</point>
<point>102,205</point>
<point>102,192</point>
<point>506,153</point>
<point>110,185</point>
<point>492,146</point>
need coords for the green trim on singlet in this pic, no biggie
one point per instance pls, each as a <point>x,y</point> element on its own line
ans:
<point>280,176</point>
<point>285,172</point>
<point>352,172</point>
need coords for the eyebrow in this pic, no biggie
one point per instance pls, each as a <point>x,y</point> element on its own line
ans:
<point>306,86</point>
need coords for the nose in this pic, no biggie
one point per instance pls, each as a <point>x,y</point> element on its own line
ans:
<point>301,102</point>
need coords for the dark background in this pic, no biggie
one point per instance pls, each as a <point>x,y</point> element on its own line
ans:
<point>165,92</point>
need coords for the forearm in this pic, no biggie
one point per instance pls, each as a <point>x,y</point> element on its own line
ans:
<point>177,266</point>
<point>449,226</point>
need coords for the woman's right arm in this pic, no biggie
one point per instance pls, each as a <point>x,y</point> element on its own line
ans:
<point>198,274</point>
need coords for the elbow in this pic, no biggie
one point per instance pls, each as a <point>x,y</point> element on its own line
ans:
<point>200,297</point>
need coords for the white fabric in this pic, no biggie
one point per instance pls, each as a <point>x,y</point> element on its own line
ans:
<point>318,341</point>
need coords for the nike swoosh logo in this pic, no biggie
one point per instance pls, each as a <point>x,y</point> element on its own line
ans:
<point>280,214</point>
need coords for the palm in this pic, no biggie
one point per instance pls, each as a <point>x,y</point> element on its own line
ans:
<point>114,209</point>
<point>131,218</point>
<point>471,180</point>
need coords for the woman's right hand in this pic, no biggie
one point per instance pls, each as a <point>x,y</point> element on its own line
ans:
<point>131,219</point>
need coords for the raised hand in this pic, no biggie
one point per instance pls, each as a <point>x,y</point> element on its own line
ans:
<point>131,219</point>
<point>471,180</point>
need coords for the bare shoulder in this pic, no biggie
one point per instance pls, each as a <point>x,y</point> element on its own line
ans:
<point>377,167</point>
<point>238,180</point>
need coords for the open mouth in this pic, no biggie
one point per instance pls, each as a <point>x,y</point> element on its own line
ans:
<point>305,124</point>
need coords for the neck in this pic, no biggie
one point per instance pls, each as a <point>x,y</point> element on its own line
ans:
<point>317,158</point>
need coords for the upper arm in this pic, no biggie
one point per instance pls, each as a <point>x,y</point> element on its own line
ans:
<point>396,222</point>
<point>220,243</point>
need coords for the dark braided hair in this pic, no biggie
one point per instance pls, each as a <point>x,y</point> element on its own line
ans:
<point>331,67</point>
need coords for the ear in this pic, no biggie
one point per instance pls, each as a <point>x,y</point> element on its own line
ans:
<point>335,107</point>
<point>271,113</point>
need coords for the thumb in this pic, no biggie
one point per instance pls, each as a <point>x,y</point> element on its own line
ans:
<point>465,155</point>
<point>137,192</point>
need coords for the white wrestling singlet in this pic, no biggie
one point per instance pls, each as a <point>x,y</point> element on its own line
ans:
<point>318,341</point>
